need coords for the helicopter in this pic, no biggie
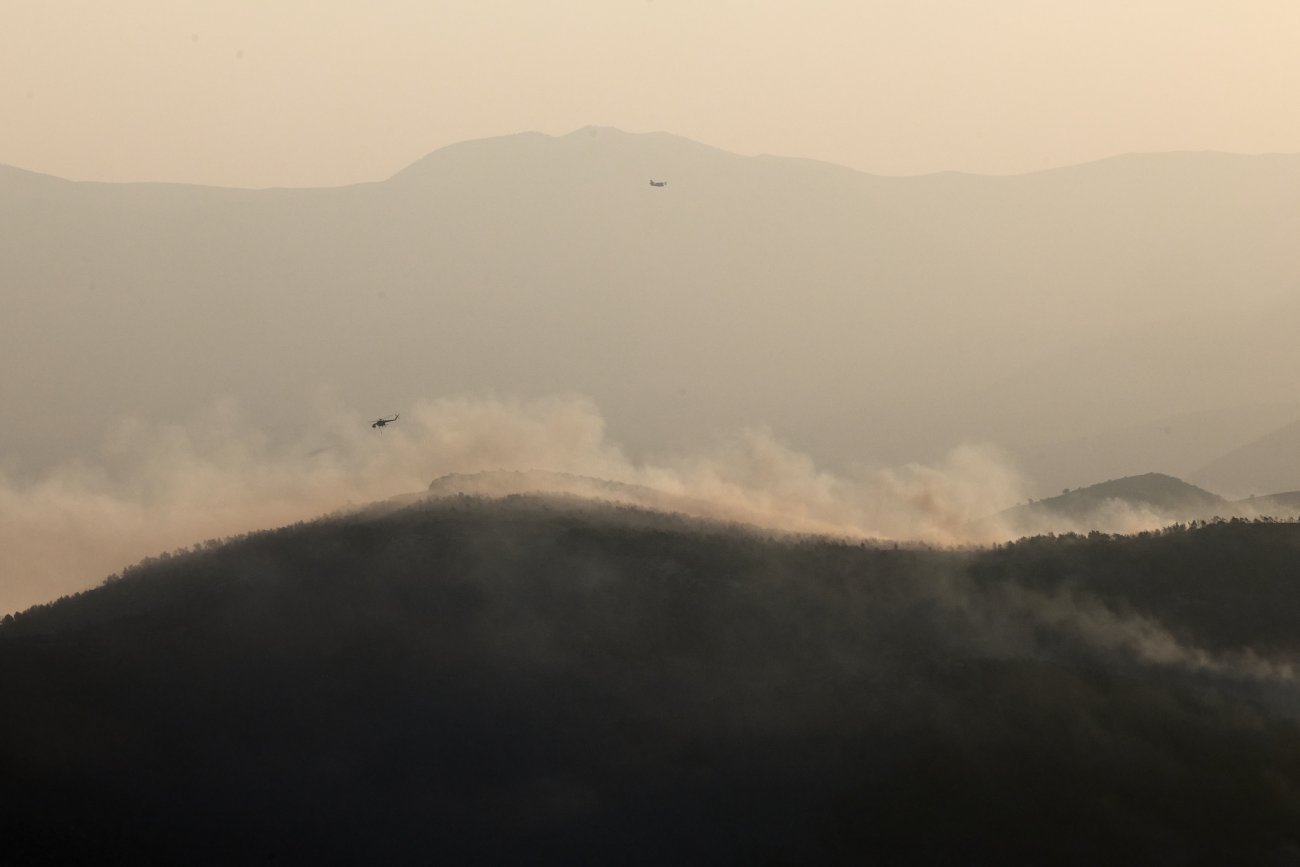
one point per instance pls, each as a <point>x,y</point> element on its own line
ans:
<point>382,422</point>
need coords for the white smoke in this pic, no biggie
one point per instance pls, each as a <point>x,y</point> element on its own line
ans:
<point>158,487</point>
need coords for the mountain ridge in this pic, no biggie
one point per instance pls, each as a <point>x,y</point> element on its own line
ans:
<point>1271,460</point>
<point>592,130</point>
<point>529,273</point>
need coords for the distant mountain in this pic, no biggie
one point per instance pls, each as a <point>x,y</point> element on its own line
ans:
<point>868,318</point>
<point>1269,463</point>
<point>1177,445</point>
<point>526,680</point>
<point>1118,506</point>
<point>1283,505</point>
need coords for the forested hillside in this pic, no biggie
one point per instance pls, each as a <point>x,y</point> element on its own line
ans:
<point>534,680</point>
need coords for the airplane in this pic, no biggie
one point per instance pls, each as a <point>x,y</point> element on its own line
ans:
<point>381,422</point>
<point>655,183</point>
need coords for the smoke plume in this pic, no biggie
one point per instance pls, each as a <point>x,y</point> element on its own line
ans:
<point>159,487</point>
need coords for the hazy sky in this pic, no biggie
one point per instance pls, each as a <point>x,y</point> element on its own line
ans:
<point>316,92</point>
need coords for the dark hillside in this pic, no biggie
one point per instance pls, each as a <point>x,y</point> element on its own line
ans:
<point>1224,585</point>
<point>556,681</point>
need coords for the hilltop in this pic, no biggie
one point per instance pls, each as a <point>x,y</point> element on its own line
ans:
<point>499,483</point>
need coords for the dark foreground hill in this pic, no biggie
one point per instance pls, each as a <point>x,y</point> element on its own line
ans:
<point>552,681</point>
